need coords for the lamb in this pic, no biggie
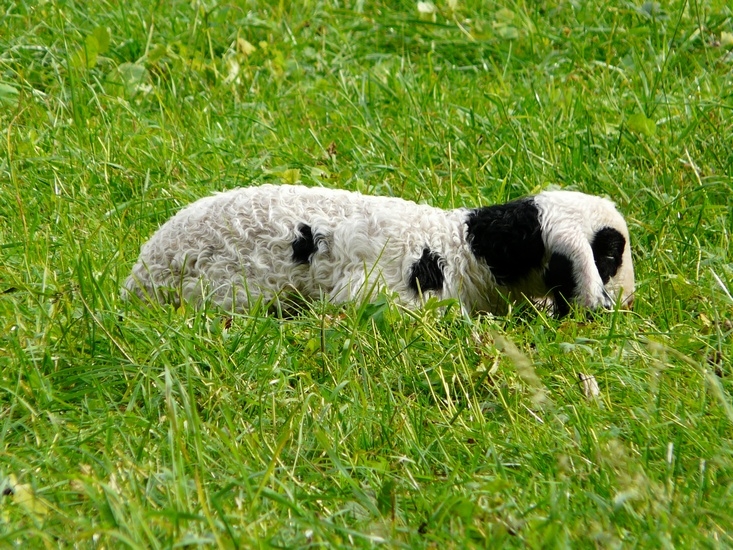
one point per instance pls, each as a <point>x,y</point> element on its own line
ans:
<point>277,242</point>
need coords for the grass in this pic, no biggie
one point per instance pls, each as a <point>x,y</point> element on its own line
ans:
<point>364,425</point>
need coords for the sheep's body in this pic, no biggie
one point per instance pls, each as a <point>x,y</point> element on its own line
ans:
<point>269,241</point>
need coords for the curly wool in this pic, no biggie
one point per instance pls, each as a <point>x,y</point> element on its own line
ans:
<point>280,241</point>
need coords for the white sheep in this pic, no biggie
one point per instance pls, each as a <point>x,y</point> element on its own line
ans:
<point>285,242</point>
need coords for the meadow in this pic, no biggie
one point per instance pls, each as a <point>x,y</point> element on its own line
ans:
<point>364,425</point>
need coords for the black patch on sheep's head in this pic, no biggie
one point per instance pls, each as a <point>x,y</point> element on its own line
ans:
<point>427,272</point>
<point>560,280</point>
<point>608,248</point>
<point>508,238</point>
<point>304,246</point>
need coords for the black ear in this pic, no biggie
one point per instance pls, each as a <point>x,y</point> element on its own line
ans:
<point>608,248</point>
<point>560,280</point>
<point>508,237</point>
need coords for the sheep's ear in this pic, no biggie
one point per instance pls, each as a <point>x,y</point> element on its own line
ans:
<point>559,279</point>
<point>508,237</point>
<point>608,248</point>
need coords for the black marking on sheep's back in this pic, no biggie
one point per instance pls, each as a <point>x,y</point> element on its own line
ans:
<point>560,280</point>
<point>508,237</point>
<point>608,249</point>
<point>304,246</point>
<point>427,273</point>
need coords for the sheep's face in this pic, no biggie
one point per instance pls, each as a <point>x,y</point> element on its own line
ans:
<point>589,250</point>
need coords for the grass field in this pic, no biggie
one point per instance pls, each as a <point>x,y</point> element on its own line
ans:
<point>364,425</point>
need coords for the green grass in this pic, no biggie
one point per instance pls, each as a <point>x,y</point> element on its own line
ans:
<point>367,424</point>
